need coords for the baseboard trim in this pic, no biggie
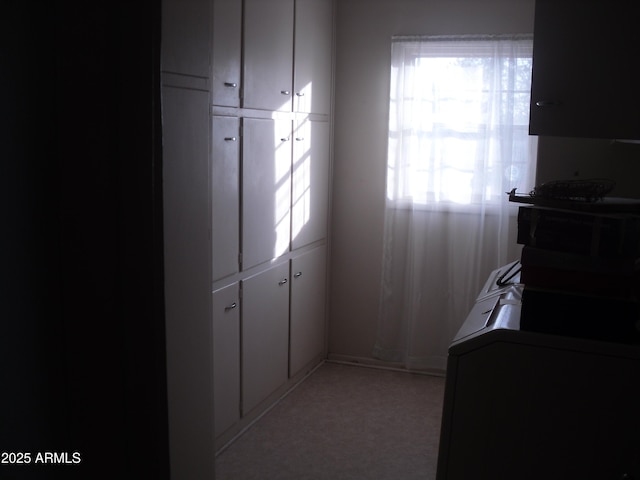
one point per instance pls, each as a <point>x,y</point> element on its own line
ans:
<point>364,362</point>
<point>246,423</point>
<point>379,364</point>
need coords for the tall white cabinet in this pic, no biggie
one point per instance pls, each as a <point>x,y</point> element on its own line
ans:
<point>246,149</point>
<point>186,98</point>
<point>270,171</point>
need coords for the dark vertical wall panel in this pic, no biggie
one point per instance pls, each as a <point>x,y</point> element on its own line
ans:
<point>83,361</point>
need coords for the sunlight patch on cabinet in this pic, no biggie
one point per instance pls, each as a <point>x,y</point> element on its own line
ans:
<point>301,191</point>
<point>304,98</point>
<point>282,182</point>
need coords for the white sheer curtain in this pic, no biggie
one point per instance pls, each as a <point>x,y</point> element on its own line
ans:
<point>458,140</point>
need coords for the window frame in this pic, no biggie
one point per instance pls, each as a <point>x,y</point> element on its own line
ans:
<point>419,53</point>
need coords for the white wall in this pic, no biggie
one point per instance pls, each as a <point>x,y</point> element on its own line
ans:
<point>364,29</point>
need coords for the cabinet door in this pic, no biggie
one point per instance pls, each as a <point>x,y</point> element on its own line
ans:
<point>268,54</point>
<point>187,267</point>
<point>186,33</point>
<point>313,53</point>
<point>226,55</point>
<point>584,81</point>
<point>310,177</point>
<point>226,357</point>
<point>307,321</point>
<point>266,190</point>
<point>265,334</point>
<point>225,184</point>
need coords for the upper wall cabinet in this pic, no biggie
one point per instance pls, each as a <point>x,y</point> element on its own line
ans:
<point>287,55</point>
<point>585,77</point>
<point>312,64</point>
<point>268,54</point>
<point>227,51</point>
<point>185,37</point>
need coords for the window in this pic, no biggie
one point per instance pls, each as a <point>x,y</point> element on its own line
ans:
<point>459,120</point>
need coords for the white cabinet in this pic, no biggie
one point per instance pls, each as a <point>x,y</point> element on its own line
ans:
<point>265,334</point>
<point>186,37</point>
<point>283,199</point>
<point>300,47</point>
<point>268,54</point>
<point>226,360</point>
<point>269,181</point>
<point>227,52</point>
<point>313,59</point>
<point>307,315</point>
<point>225,195</point>
<point>267,329</point>
<point>187,276</point>
<point>310,182</point>
<point>266,189</point>
<point>185,75</point>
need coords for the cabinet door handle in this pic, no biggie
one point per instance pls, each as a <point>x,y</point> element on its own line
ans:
<point>285,92</point>
<point>297,275</point>
<point>283,281</point>
<point>300,94</point>
<point>299,139</point>
<point>284,139</point>
<point>230,139</point>
<point>548,103</point>
<point>230,307</point>
<point>230,84</point>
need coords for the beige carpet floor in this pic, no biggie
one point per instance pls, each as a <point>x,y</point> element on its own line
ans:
<point>344,422</point>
